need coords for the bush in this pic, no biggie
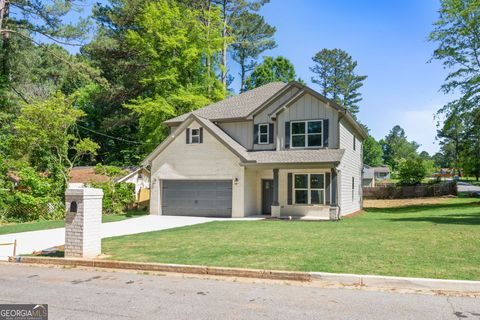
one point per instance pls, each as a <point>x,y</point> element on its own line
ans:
<point>33,199</point>
<point>110,171</point>
<point>116,196</point>
<point>412,171</point>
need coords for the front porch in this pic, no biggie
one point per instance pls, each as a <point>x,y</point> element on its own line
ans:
<point>296,191</point>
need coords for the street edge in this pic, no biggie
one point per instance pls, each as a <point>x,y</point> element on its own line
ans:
<point>324,278</point>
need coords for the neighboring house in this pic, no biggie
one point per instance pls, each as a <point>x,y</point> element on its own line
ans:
<point>280,149</point>
<point>141,178</point>
<point>368,178</point>
<point>80,176</point>
<point>382,172</point>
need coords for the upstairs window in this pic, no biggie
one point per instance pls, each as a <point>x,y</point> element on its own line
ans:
<point>194,136</point>
<point>306,134</point>
<point>354,143</point>
<point>263,133</point>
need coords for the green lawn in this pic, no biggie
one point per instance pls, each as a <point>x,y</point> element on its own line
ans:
<point>438,241</point>
<point>44,225</point>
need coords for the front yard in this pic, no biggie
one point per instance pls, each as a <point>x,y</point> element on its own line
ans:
<point>52,224</point>
<point>435,240</point>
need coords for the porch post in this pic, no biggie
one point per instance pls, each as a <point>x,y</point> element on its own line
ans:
<point>275,209</point>
<point>334,199</point>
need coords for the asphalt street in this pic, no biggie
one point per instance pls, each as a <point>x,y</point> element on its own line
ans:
<point>90,294</point>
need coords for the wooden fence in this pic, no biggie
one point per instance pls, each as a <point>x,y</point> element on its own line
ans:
<point>401,192</point>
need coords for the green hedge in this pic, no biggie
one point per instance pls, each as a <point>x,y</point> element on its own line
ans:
<point>117,197</point>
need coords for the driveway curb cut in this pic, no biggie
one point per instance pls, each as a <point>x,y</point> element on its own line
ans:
<point>323,278</point>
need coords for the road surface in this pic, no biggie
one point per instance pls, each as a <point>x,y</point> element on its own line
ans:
<point>465,187</point>
<point>89,294</point>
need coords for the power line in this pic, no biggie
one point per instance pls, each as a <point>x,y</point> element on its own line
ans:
<point>112,137</point>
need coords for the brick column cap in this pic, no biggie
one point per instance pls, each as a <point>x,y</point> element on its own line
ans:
<point>86,192</point>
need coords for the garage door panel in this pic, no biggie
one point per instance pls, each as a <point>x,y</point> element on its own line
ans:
<point>197,198</point>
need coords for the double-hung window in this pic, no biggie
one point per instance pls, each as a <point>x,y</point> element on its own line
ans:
<point>263,133</point>
<point>309,188</point>
<point>195,136</point>
<point>306,134</point>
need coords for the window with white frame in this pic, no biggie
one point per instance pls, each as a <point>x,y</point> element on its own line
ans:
<point>354,143</point>
<point>263,133</point>
<point>306,134</point>
<point>309,188</point>
<point>195,136</point>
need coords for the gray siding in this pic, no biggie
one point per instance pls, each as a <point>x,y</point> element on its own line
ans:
<point>308,108</point>
<point>351,166</point>
<point>263,117</point>
<point>242,132</point>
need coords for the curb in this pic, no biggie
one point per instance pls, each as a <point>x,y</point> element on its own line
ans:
<point>389,282</point>
<point>175,268</point>
<point>324,279</point>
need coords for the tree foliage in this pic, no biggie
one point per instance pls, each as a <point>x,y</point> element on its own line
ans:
<point>412,171</point>
<point>396,147</point>
<point>252,36</point>
<point>372,152</point>
<point>334,72</point>
<point>271,70</point>
<point>457,33</point>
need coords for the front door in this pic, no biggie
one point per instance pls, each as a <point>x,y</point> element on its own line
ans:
<point>267,196</point>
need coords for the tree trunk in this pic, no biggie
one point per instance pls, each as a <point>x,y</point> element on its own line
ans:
<point>5,42</point>
<point>208,58</point>
<point>242,73</point>
<point>225,46</point>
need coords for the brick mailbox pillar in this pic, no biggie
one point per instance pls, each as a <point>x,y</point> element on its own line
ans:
<point>83,222</point>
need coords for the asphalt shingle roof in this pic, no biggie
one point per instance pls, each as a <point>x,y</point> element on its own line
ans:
<point>296,156</point>
<point>239,106</point>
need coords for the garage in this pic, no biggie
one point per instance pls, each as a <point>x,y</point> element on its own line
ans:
<point>201,198</point>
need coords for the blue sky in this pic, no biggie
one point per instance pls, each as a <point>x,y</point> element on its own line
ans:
<point>388,39</point>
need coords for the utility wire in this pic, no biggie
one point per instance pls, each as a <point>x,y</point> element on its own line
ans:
<point>112,137</point>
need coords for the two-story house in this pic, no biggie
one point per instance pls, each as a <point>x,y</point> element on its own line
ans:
<point>280,150</point>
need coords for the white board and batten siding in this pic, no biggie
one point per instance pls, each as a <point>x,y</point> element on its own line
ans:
<point>350,167</point>
<point>240,131</point>
<point>264,117</point>
<point>308,107</point>
<point>210,160</point>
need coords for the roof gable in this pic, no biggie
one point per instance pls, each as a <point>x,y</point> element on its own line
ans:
<point>236,107</point>
<point>214,130</point>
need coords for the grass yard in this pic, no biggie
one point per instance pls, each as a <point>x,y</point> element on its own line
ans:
<point>45,225</point>
<point>437,240</point>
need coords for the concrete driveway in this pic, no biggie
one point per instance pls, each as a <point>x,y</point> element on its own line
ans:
<point>28,242</point>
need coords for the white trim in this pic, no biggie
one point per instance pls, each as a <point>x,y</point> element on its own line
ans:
<point>194,135</point>
<point>260,133</point>
<point>305,134</point>
<point>309,189</point>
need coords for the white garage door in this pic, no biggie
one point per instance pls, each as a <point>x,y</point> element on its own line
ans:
<point>201,198</point>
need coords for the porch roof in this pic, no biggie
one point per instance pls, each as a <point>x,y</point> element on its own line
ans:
<point>324,156</point>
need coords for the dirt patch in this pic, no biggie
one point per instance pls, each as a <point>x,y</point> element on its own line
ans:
<point>353,214</point>
<point>391,203</point>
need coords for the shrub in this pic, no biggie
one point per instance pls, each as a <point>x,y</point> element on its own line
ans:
<point>412,171</point>
<point>35,198</point>
<point>110,171</point>
<point>116,196</point>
